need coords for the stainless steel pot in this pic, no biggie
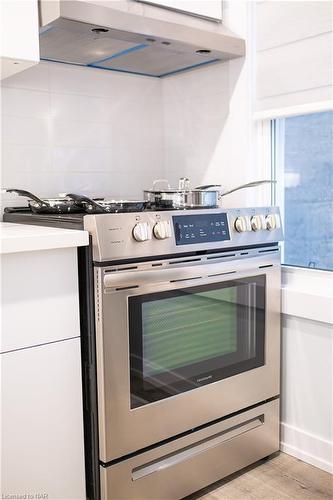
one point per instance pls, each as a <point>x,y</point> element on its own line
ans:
<point>184,197</point>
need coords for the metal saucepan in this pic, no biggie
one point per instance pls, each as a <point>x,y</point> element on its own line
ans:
<point>61,205</point>
<point>184,197</point>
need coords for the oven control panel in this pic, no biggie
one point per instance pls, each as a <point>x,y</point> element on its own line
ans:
<point>145,234</point>
<point>203,228</point>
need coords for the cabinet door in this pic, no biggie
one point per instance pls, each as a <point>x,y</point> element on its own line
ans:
<point>40,298</point>
<point>19,36</point>
<point>203,8</point>
<point>42,422</point>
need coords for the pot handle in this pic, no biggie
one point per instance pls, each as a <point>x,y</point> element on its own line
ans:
<point>27,194</point>
<point>248,185</point>
<point>184,184</point>
<point>82,199</point>
<point>208,186</point>
<point>159,181</point>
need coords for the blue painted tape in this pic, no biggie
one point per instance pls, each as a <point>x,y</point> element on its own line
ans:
<point>63,62</point>
<point>120,70</point>
<point>105,68</point>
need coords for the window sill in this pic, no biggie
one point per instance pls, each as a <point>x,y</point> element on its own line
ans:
<point>307,293</point>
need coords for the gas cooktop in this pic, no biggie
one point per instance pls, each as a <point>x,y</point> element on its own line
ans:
<point>23,215</point>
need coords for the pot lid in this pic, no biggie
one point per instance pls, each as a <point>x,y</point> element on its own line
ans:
<point>183,187</point>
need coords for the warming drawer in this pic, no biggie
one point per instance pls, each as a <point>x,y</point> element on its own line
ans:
<point>182,466</point>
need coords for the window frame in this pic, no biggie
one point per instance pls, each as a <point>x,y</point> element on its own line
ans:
<point>271,163</point>
<point>305,292</point>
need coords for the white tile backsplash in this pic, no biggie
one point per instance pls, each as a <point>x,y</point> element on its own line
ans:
<point>22,102</point>
<point>73,159</point>
<point>25,158</point>
<point>23,130</point>
<point>82,108</point>
<point>67,128</point>
<point>80,133</point>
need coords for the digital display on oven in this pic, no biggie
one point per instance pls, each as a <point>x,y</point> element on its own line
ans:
<point>207,228</point>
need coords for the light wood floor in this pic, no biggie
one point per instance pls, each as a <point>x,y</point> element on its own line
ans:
<point>278,478</point>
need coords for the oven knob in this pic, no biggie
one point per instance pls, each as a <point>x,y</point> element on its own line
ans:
<point>162,230</point>
<point>256,223</point>
<point>142,232</point>
<point>241,224</point>
<point>270,222</point>
<point>263,222</point>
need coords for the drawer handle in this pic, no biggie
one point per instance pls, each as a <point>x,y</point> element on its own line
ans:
<point>195,449</point>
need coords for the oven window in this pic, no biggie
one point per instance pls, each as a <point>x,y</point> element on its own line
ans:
<point>183,339</point>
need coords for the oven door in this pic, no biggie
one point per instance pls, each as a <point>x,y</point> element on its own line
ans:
<point>185,338</point>
<point>178,348</point>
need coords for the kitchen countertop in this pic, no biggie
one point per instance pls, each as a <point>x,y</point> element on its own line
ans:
<point>26,238</point>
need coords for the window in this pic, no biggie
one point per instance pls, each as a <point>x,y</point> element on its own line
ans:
<point>302,154</point>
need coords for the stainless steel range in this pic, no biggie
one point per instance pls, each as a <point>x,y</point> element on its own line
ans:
<point>188,346</point>
<point>182,309</point>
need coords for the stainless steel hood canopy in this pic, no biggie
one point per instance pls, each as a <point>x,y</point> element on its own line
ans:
<point>92,35</point>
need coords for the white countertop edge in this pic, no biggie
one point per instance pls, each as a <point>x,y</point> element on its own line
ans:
<point>17,238</point>
<point>307,293</point>
<point>307,305</point>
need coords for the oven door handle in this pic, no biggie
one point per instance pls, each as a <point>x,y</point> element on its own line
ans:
<point>184,274</point>
<point>134,278</point>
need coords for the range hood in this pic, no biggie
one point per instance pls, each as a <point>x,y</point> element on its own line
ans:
<point>87,34</point>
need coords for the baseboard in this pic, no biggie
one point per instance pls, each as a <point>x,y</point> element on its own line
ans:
<point>307,447</point>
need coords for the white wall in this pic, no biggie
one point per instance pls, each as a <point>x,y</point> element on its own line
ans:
<point>306,406</point>
<point>294,76</point>
<point>68,128</point>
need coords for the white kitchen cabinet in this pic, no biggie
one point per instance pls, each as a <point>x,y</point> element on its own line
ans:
<point>204,8</point>
<point>39,285</point>
<point>42,423</point>
<point>40,301</point>
<point>42,447</point>
<point>19,35</point>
